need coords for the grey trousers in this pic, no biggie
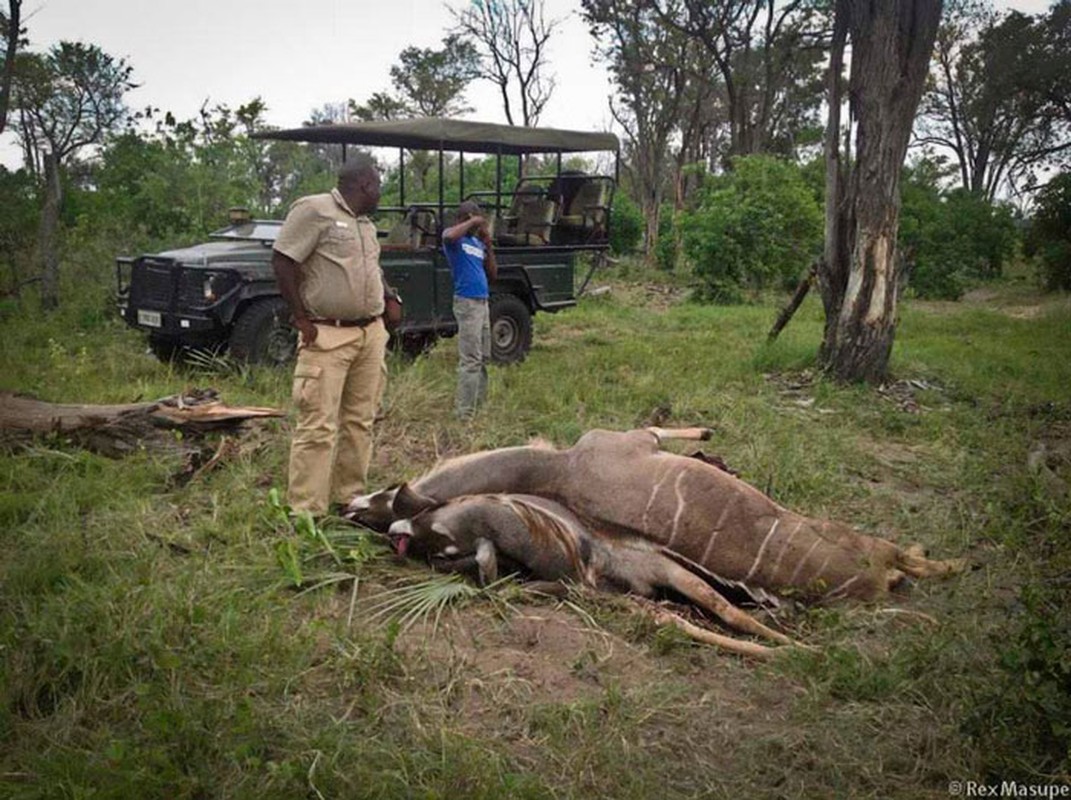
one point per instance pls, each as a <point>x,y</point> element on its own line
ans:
<point>474,353</point>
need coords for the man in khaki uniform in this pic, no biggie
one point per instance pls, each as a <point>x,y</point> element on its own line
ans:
<point>326,260</point>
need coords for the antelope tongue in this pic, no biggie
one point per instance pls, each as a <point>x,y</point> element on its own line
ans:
<point>400,542</point>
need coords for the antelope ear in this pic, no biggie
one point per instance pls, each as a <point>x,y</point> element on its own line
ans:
<point>408,502</point>
<point>442,530</point>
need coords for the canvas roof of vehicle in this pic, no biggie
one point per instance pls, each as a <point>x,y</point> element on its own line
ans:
<point>433,133</point>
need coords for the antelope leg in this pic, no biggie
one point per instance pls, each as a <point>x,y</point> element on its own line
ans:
<point>487,559</point>
<point>689,434</point>
<point>703,595</point>
<point>917,565</point>
<point>750,649</point>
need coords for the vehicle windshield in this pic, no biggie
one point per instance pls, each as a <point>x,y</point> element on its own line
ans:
<point>261,230</point>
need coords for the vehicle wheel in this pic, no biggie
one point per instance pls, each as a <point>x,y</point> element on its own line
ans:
<point>511,329</point>
<point>167,350</point>
<point>263,334</point>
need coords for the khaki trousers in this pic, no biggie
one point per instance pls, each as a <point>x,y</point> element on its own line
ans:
<point>473,354</point>
<point>338,383</point>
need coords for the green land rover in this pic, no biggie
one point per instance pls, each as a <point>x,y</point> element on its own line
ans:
<point>222,294</point>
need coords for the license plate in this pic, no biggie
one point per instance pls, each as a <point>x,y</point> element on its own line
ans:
<point>150,318</point>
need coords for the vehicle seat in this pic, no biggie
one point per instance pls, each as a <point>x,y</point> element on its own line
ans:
<point>587,210</point>
<point>416,229</point>
<point>530,220</point>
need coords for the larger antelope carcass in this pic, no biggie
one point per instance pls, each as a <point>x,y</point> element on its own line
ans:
<point>624,482</point>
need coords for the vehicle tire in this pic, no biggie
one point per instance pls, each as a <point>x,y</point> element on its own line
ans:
<point>511,329</point>
<point>263,334</point>
<point>166,350</point>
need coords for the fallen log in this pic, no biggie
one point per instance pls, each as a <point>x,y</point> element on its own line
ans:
<point>116,430</point>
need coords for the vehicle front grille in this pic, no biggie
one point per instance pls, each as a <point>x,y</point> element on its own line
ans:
<point>163,285</point>
<point>151,283</point>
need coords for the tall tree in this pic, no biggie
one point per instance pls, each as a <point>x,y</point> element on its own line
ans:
<point>11,32</point>
<point>649,64</point>
<point>67,99</point>
<point>994,97</point>
<point>511,37</point>
<point>428,83</point>
<point>432,82</point>
<point>859,277</point>
<point>767,58</point>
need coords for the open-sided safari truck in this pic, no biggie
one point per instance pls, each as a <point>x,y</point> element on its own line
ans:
<point>222,293</point>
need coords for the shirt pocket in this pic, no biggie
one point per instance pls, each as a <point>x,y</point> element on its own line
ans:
<point>308,379</point>
<point>340,243</point>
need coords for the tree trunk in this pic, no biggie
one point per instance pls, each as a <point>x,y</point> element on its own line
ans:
<point>47,242</point>
<point>11,46</point>
<point>118,430</point>
<point>891,45</point>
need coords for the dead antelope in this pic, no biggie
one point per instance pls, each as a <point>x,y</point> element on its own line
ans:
<point>553,544</point>
<point>622,483</point>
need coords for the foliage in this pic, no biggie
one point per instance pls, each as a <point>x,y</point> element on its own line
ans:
<point>1030,702</point>
<point>1050,232</point>
<point>950,237</point>
<point>756,226</point>
<point>68,98</point>
<point>627,225</point>
<point>427,82</point>
<point>997,95</point>
<point>18,227</point>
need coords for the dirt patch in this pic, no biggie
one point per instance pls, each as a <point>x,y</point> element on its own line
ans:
<point>541,654</point>
<point>893,470</point>
<point>650,295</point>
<point>797,389</point>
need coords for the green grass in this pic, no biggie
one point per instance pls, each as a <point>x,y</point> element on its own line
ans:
<point>166,641</point>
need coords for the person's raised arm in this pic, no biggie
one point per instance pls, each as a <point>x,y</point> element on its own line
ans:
<point>457,230</point>
<point>490,266</point>
<point>288,276</point>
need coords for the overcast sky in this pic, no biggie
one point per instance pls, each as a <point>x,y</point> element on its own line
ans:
<point>298,56</point>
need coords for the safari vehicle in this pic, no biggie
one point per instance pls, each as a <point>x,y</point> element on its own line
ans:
<point>222,294</point>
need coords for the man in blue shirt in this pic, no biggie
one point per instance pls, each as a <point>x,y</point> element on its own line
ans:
<point>467,245</point>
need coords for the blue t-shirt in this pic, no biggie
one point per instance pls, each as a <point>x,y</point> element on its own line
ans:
<point>465,256</point>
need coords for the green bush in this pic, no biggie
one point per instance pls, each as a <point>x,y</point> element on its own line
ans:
<point>626,224</point>
<point>1022,718</point>
<point>951,237</point>
<point>754,227</point>
<point>1050,232</point>
<point>19,216</point>
<point>666,248</point>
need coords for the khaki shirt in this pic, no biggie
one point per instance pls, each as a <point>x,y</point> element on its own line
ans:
<point>338,255</point>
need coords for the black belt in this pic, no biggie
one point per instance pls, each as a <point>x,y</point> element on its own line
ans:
<point>344,323</point>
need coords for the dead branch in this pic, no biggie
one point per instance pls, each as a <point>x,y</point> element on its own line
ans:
<point>116,430</point>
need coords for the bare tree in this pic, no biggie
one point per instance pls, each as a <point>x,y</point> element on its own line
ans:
<point>647,62</point>
<point>859,278</point>
<point>12,33</point>
<point>511,37</point>
<point>766,55</point>
<point>67,99</point>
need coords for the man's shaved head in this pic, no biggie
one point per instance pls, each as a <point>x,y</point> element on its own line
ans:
<point>358,182</point>
<point>354,170</point>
